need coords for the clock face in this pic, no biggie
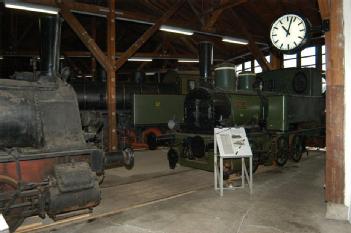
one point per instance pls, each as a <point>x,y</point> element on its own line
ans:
<point>289,32</point>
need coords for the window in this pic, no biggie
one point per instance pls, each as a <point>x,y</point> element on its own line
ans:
<point>238,69</point>
<point>308,57</point>
<point>290,60</point>
<point>257,66</point>
<point>247,66</point>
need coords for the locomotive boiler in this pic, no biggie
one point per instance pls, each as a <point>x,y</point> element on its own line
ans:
<point>281,111</point>
<point>144,109</point>
<point>46,167</point>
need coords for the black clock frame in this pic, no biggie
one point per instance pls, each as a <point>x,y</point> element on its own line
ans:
<point>303,42</point>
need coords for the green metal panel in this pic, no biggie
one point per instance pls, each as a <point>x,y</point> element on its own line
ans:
<point>287,110</point>
<point>158,109</point>
<point>284,81</point>
<point>245,109</point>
<point>276,119</point>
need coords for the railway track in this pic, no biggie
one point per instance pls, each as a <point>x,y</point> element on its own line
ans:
<point>140,193</point>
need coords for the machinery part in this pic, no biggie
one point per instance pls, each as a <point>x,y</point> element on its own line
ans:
<point>205,109</point>
<point>151,141</point>
<point>149,136</point>
<point>246,81</point>
<point>255,156</point>
<point>282,151</point>
<point>299,82</point>
<point>74,187</point>
<point>225,77</point>
<point>173,158</point>
<point>187,152</point>
<point>123,158</point>
<point>128,155</point>
<point>13,216</point>
<point>198,146</point>
<point>255,163</point>
<point>297,147</point>
<point>92,94</point>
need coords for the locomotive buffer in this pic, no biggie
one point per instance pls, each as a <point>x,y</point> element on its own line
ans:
<point>232,144</point>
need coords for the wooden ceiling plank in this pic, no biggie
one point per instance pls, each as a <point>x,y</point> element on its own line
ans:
<point>256,52</point>
<point>84,36</point>
<point>147,35</point>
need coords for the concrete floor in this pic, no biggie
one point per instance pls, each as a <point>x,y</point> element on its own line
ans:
<point>288,199</point>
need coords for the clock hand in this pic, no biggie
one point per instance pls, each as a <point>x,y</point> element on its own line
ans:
<point>288,32</point>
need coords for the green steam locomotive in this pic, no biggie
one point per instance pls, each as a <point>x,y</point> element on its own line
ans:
<point>282,111</point>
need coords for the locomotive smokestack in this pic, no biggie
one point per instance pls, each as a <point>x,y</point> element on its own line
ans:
<point>205,59</point>
<point>50,30</point>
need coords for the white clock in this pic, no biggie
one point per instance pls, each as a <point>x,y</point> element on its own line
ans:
<point>290,33</point>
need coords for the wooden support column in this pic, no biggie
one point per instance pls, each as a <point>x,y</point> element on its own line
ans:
<point>256,52</point>
<point>335,157</point>
<point>146,36</point>
<point>84,36</point>
<point>111,78</point>
<point>277,61</point>
<point>93,35</point>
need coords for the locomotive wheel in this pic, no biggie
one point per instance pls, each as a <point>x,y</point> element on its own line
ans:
<point>297,148</point>
<point>255,163</point>
<point>282,152</point>
<point>13,217</point>
<point>187,153</point>
<point>151,141</point>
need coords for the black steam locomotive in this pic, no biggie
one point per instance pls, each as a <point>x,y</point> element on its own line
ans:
<point>46,167</point>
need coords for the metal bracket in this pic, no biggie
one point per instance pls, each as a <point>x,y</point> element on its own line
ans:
<point>325,27</point>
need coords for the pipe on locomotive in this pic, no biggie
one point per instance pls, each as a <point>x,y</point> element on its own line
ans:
<point>205,59</point>
<point>50,28</point>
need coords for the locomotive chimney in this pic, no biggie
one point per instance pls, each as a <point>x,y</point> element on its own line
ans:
<point>205,59</point>
<point>50,32</point>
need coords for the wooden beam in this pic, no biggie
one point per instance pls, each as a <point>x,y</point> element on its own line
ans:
<point>111,78</point>
<point>335,154</point>
<point>101,11</point>
<point>93,35</point>
<point>147,35</point>
<point>276,61</point>
<point>84,36</point>
<point>143,64</point>
<point>224,6</point>
<point>256,52</point>
<point>189,45</point>
<point>214,17</point>
<point>198,16</point>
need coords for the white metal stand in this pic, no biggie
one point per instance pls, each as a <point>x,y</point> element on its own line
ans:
<point>232,144</point>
